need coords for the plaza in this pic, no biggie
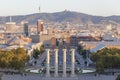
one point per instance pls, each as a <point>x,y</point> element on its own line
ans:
<point>80,77</point>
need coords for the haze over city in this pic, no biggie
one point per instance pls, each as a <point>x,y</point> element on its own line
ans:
<point>93,7</point>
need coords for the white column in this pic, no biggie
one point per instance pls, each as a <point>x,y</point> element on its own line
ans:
<point>56,62</point>
<point>73,63</point>
<point>48,63</point>
<point>64,62</point>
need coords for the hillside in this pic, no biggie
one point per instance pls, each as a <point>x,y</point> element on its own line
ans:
<point>64,16</point>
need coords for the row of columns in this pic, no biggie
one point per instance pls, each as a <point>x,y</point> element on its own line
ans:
<point>64,63</point>
<point>48,63</point>
<point>56,62</point>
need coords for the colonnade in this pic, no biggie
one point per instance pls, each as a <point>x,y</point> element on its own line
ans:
<point>64,63</point>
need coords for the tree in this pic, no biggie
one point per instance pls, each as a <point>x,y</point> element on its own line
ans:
<point>0,77</point>
<point>20,58</point>
<point>5,58</point>
<point>79,49</point>
<point>36,53</point>
<point>99,67</point>
<point>107,58</point>
<point>42,49</point>
<point>118,77</point>
<point>13,59</point>
<point>84,53</point>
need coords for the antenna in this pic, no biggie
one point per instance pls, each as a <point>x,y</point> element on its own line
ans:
<point>39,9</point>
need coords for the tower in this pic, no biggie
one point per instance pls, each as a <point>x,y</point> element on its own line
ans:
<point>53,42</point>
<point>39,9</point>
<point>39,26</point>
<point>68,42</point>
<point>26,28</point>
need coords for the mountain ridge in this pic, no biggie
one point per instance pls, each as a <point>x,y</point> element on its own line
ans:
<point>63,16</point>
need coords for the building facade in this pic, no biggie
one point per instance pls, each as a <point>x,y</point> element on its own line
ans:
<point>39,26</point>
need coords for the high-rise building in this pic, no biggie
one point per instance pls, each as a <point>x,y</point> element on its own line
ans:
<point>39,26</point>
<point>26,28</point>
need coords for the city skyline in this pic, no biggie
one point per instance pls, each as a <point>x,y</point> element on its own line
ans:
<point>94,7</point>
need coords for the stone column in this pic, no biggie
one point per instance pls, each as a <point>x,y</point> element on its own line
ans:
<point>73,63</point>
<point>56,62</point>
<point>64,62</point>
<point>48,63</point>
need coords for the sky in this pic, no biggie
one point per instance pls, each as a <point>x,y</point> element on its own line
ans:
<point>93,7</point>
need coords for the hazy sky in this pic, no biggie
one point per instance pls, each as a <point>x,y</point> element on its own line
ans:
<point>94,7</point>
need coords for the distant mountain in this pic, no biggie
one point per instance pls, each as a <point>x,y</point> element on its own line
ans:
<point>64,16</point>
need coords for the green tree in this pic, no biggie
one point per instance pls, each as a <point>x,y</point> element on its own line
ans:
<point>36,53</point>
<point>79,49</point>
<point>14,59</point>
<point>5,58</point>
<point>84,53</point>
<point>118,77</point>
<point>0,77</point>
<point>107,58</point>
<point>42,49</point>
<point>99,67</point>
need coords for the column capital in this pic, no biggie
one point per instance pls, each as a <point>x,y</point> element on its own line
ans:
<point>64,50</point>
<point>72,49</point>
<point>47,49</point>
<point>55,49</point>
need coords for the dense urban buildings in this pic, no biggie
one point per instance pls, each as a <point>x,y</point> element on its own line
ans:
<point>61,56</point>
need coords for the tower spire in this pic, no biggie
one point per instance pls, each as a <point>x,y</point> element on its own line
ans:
<point>39,9</point>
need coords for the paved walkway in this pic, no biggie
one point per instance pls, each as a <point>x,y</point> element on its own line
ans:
<point>98,77</point>
<point>38,77</point>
